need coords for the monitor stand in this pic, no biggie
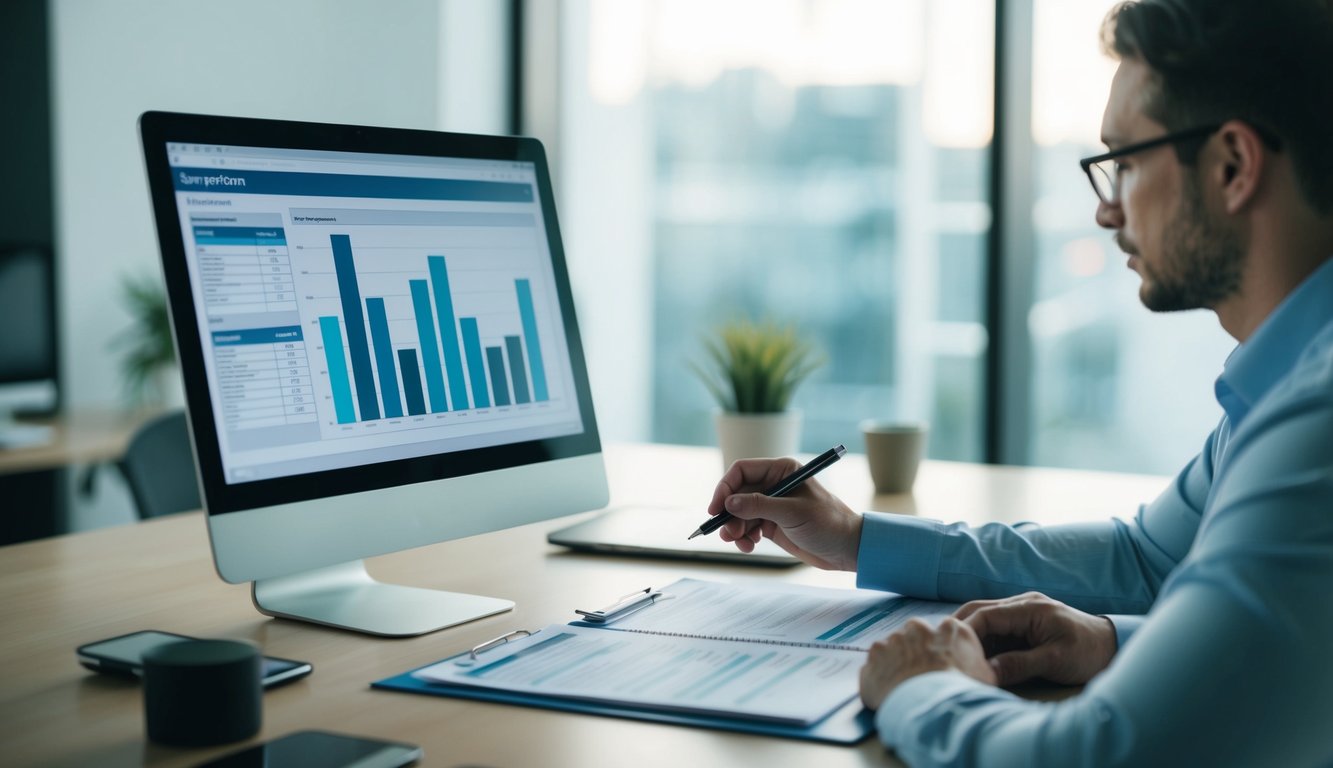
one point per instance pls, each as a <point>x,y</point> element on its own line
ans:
<point>345,596</point>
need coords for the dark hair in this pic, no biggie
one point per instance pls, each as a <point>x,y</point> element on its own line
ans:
<point>1268,63</point>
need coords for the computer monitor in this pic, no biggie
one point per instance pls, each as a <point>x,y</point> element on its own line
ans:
<point>378,344</point>
<point>29,356</point>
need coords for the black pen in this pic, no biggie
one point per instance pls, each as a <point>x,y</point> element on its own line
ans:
<point>784,487</point>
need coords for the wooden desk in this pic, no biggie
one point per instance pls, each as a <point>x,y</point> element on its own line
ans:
<point>59,593</point>
<point>82,436</point>
<point>34,481</point>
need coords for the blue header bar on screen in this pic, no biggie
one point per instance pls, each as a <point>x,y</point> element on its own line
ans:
<point>347,185</point>
<point>209,235</point>
<point>258,336</point>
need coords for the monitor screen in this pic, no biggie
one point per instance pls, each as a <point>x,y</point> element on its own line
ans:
<point>376,334</point>
<point>28,355</point>
<point>357,308</point>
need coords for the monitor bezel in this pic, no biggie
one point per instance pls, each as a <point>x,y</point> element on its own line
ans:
<point>158,129</point>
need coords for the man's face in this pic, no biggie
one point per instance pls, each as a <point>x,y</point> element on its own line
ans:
<point>1182,250</point>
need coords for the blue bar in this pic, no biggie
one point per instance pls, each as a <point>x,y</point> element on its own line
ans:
<point>258,335</point>
<point>430,354</point>
<point>209,235</point>
<point>407,363</point>
<point>530,336</point>
<point>495,360</point>
<point>515,347</point>
<point>346,185</point>
<point>379,335</point>
<point>355,321</point>
<point>337,361</point>
<point>444,310</point>
<point>856,624</point>
<point>476,370</point>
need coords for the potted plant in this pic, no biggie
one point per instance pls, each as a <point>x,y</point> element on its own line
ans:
<point>148,366</point>
<point>752,369</point>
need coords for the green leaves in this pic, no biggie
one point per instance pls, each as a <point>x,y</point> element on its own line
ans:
<point>755,368</point>
<point>147,343</point>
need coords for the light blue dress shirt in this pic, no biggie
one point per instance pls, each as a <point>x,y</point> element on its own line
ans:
<point>1232,565</point>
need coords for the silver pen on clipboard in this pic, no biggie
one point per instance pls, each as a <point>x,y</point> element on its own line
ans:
<point>624,606</point>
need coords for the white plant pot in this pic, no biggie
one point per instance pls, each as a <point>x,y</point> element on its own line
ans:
<point>757,435</point>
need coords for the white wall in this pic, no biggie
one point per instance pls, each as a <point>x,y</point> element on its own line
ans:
<point>355,61</point>
<point>474,66</point>
<point>606,220</point>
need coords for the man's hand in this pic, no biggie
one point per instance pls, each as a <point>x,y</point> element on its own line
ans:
<point>1032,636</point>
<point>810,522</point>
<point>915,649</point>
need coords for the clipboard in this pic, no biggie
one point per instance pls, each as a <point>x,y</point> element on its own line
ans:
<point>850,724</point>
<point>843,628</point>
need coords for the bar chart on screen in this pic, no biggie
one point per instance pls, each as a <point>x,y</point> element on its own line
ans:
<point>410,335</point>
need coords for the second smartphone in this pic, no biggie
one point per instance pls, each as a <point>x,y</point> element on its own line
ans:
<point>124,655</point>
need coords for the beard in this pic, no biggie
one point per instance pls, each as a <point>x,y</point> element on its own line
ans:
<point>1201,261</point>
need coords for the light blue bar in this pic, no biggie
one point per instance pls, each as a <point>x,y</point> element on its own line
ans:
<point>384,362</point>
<point>774,680</point>
<point>444,309</point>
<point>430,356</point>
<point>337,362</point>
<point>725,679</point>
<point>669,669</point>
<point>476,367</point>
<point>722,675</point>
<point>534,344</point>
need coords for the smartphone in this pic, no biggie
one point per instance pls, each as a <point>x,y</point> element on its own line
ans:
<point>124,656</point>
<point>320,749</point>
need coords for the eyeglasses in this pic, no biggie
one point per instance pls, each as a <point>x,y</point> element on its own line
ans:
<point>1104,172</point>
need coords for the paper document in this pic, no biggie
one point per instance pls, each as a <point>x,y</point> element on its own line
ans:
<point>723,677</point>
<point>749,651</point>
<point>781,613</point>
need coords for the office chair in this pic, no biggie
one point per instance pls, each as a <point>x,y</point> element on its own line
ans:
<point>159,468</point>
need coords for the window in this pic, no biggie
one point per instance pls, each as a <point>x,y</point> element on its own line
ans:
<point>1113,386</point>
<point>825,163</point>
<point>819,163</point>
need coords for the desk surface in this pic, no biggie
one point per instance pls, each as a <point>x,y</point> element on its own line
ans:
<point>82,436</point>
<point>59,593</point>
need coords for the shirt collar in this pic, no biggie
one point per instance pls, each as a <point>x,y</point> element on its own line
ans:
<point>1275,346</point>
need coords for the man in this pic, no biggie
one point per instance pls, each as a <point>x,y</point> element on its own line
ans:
<point>1219,186</point>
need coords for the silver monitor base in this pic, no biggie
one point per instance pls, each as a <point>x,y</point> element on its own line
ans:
<point>345,596</point>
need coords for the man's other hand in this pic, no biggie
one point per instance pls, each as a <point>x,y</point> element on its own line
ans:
<point>1031,636</point>
<point>917,648</point>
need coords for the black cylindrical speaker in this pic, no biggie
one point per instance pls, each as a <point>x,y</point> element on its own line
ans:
<point>202,692</point>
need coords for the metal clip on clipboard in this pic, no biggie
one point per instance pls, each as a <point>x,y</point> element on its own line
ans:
<point>471,657</point>
<point>634,601</point>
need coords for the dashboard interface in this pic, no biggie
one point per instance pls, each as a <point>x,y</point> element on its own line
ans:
<point>357,308</point>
